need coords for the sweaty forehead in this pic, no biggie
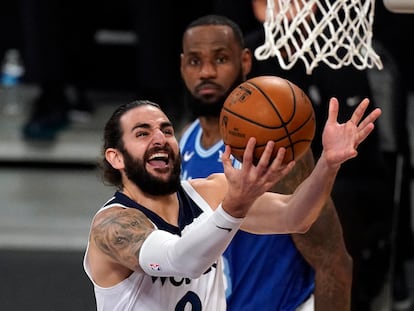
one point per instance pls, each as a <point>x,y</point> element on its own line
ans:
<point>208,36</point>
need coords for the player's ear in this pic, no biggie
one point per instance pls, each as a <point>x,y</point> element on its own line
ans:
<point>114,157</point>
<point>246,61</point>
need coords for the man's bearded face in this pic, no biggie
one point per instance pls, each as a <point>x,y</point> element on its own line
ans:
<point>137,173</point>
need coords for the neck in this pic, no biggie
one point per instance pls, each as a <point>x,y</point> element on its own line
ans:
<point>211,131</point>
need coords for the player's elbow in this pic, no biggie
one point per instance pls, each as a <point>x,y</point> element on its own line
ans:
<point>344,266</point>
<point>193,269</point>
<point>301,225</point>
<point>196,272</point>
<point>303,228</point>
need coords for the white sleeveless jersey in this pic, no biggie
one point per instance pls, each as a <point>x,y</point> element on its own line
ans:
<point>143,292</point>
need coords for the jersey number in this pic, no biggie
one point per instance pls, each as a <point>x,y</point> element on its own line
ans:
<point>189,298</point>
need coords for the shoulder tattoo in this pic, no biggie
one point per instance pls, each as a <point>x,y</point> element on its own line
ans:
<point>121,234</point>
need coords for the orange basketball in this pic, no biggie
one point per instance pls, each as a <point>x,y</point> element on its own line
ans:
<point>268,108</point>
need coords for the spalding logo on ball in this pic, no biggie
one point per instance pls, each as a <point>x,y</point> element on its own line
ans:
<point>268,108</point>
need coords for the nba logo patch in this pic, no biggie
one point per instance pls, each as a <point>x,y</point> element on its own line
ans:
<point>155,266</point>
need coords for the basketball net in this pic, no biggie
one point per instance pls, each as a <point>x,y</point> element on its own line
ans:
<point>336,32</point>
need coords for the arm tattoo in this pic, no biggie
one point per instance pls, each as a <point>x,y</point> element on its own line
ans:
<point>121,234</point>
<point>300,171</point>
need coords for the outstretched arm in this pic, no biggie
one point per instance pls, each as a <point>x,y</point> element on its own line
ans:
<point>296,213</point>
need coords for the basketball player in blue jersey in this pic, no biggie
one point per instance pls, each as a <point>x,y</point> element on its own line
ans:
<point>157,243</point>
<point>311,271</point>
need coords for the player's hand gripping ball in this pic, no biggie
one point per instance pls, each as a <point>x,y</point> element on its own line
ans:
<point>268,108</point>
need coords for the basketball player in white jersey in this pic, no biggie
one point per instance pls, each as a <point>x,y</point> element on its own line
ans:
<point>157,243</point>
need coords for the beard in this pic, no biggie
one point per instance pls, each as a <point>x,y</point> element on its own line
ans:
<point>202,107</point>
<point>136,172</point>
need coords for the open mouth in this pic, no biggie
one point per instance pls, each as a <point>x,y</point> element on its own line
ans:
<point>159,159</point>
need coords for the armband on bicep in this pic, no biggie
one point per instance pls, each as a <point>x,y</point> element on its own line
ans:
<point>202,243</point>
